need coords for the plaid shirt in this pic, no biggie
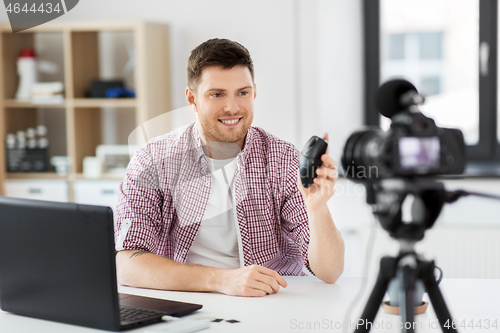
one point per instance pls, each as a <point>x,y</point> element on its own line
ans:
<point>163,198</point>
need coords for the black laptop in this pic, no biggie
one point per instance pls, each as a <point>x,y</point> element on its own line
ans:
<point>57,262</point>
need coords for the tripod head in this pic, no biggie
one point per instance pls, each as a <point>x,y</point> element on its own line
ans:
<point>424,196</point>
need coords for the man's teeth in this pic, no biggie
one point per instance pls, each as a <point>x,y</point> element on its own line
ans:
<point>230,121</point>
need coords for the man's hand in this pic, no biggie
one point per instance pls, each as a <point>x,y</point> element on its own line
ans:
<point>322,190</point>
<point>252,280</point>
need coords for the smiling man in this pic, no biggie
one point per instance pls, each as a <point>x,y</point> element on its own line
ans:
<point>217,205</point>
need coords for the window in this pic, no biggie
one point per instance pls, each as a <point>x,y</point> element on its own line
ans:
<point>447,49</point>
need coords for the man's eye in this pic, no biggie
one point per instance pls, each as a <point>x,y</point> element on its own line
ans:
<point>244,93</point>
<point>217,95</point>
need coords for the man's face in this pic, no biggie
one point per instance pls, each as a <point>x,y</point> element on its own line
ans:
<point>224,103</point>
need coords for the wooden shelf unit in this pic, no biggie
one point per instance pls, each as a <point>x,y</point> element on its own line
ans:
<point>81,65</point>
<point>13,103</point>
<point>34,175</point>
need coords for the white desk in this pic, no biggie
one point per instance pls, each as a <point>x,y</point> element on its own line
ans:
<point>306,305</point>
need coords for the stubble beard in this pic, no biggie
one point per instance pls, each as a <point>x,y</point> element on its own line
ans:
<point>213,134</point>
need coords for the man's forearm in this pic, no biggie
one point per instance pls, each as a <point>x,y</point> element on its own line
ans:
<point>326,246</point>
<point>147,270</point>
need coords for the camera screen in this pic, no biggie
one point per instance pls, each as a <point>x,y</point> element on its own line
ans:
<point>417,152</point>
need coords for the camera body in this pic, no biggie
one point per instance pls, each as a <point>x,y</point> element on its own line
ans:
<point>413,146</point>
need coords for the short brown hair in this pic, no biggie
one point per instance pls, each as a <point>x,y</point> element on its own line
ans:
<point>217,52</point>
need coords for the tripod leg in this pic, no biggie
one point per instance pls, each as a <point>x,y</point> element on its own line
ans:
<point>408,303</point>
<point>442,312</point>
<point>387,268</point>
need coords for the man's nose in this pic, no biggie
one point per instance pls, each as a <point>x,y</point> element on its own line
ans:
<point>231,105</point>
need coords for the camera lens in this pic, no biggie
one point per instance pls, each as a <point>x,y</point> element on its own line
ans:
<point>362,151</point>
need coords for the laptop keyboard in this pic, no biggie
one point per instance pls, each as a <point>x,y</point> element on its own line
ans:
<point>128,314</point>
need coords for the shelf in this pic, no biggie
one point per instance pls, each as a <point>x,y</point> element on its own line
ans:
<point>105,102</point>
<point>13,103</point>
<point>53,175</point>
<point>81,26</point>
<point>77,102</point>
<point>34,175</point>
<point>105,176</point>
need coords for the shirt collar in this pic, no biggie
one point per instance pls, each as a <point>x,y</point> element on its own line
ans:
<point>198,145</point>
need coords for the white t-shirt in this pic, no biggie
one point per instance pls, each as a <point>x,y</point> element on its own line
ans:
<point>216,243</point>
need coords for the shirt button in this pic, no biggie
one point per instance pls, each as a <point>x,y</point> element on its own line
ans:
<point>207,184</point>
<point>184,251</point>
<point>198,219</point>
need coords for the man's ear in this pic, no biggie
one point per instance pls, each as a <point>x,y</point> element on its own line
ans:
<point>254,91</point>
<point>191,99</point>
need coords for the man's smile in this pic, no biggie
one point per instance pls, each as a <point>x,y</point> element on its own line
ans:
<point>230,121</point>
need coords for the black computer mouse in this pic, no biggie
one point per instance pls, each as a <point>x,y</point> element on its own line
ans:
<point>310,159</point>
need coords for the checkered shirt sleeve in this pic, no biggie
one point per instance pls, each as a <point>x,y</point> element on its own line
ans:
<point>138,213</point>
<point>293,213</point>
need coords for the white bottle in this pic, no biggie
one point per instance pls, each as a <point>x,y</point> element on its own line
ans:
<point>28,73</point>
<point>11,141</point>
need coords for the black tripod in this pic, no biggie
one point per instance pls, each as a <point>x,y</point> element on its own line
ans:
<point>409,268</point>
<point>387,198</point>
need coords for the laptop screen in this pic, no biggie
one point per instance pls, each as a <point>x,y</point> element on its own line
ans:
<point>57,262</point>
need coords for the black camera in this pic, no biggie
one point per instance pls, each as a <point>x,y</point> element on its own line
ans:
<point>413,146</point>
